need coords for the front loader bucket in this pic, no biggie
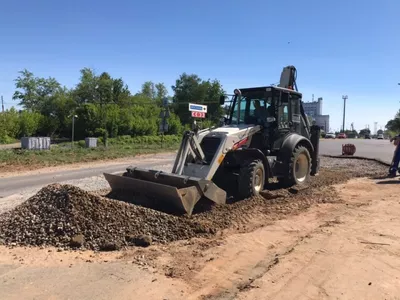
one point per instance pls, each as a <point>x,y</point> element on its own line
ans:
<point>180,192</point>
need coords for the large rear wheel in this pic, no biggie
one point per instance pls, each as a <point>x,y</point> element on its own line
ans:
<point>251,179</point>
<point>299,168</point>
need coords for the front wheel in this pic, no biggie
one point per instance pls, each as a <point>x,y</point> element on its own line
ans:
<point>251,179</point>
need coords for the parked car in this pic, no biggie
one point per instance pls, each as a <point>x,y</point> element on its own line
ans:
<point>341,136</point>
<point>380,137</point>
<point>330,135</point>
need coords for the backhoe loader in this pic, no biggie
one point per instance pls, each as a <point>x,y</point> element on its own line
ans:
<point>265,135</point>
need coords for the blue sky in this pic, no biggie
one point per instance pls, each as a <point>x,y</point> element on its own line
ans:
<point>338,47</point>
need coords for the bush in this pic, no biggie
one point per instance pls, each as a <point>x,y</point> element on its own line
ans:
<point>9,125</point>
<point>6,139</point>
<point>29,123</point>
<point>145,140</point>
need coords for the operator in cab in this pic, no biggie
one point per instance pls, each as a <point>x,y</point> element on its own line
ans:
<point>259,112</point>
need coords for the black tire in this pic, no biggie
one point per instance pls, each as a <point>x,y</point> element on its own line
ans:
<point>251,179</point>
<point>299,168</point>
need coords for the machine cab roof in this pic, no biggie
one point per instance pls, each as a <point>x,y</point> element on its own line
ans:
<point>260,105</point>
<point>268,89</point>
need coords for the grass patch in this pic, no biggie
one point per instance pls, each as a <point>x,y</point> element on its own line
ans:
<point>4,141</point>
<point>63,154</point>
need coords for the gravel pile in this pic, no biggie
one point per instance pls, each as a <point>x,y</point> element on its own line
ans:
<point>66,216</point>
<point>69,217</point>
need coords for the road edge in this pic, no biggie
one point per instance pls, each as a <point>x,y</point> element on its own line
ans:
<point>357,157</point>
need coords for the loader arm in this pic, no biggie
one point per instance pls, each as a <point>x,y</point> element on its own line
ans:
<point>191,145</point>
<point>178,189</point>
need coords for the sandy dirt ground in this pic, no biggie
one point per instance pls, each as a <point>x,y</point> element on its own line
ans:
<point>345,249</point>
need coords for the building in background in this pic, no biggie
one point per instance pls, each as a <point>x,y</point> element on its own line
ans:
<point>314,110</point>
<point>323,122</point>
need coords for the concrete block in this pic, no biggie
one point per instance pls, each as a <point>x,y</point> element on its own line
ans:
<point>91,142</point>
<point>35,143</point>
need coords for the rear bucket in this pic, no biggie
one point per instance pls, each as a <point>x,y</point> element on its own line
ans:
<point>176,192</point>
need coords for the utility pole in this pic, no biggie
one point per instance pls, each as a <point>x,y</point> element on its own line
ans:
<point>73,129</point>
<point>2,104</point>
<point>344,97</point>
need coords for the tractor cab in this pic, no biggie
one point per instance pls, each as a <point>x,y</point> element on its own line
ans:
<point>277,110</point>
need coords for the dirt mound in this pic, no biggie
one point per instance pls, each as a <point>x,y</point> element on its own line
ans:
<point>65,216</point>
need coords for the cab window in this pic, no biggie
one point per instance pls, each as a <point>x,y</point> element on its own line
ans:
<point>284,113</point>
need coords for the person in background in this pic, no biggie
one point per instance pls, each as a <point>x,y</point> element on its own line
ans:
<point>394,167</point>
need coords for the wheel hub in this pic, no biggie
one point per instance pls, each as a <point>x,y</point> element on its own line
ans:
<point>301,168</point>
<point>258,180</point>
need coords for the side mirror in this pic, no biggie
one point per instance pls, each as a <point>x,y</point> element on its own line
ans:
<point>222,100</point>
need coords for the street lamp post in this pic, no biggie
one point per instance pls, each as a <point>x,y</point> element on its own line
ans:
<point>344,97</point>
<point>73,130</point>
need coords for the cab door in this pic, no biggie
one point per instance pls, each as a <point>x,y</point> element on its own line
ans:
<point>295,112</point>
<point>283,121</point>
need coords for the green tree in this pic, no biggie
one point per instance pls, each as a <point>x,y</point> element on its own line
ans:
<point>191,88</point>
<point>104,105</point>
<point>148,90</point>
<point>89,121</point>
<point>153,92</point>
<point>58,111</point>
<point>174,124</point>
<point>214,109</point>
<point>112,119</point>
<point>187,89</point>
<point>104,88</point>
<point>27,93</point>
<point>29,123</point>
<point>144,120</point>
<point>365,131</point>
<point>126,120</point>
<point>161,92</point>
<point>394,124</point>
<point>85,91</point>
<point>9,125</point>
<point>121,93</point>
<point>35,92</point>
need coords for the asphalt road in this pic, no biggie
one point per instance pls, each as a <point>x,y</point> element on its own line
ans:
<point>380,149</point>
<point>12,185</point>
